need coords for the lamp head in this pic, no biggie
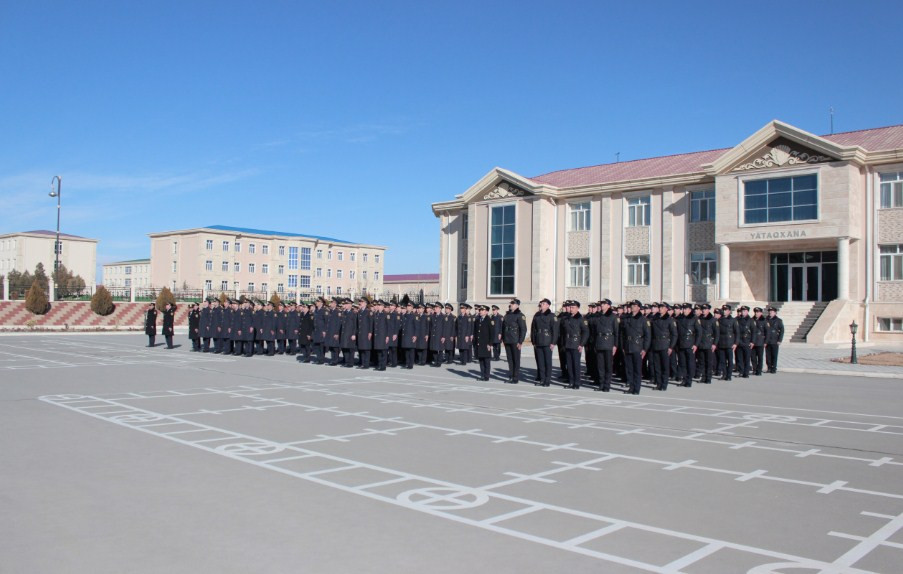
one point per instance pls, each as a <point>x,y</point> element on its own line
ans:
<point>52,194</point>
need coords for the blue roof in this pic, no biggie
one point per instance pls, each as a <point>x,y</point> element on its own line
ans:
<point>281,233</point>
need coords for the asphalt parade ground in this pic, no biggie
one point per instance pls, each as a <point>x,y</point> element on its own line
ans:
<point>121,458</point>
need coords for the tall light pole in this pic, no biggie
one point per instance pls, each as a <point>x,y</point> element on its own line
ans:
<point>58,181</point>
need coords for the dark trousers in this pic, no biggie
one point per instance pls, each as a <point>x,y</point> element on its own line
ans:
<point>661,368</point>
<point>743,356</point>
<point>206,344</point>
<point>604,364</point>
<point>237,347</point>
<point>291,346</point>
<point>592,367</point>
<point>706,364</point>
<point>497,351</point>
<point>449,356</point>
<point>150,340</point>
<point>258,347</point>
<point>473,349</point>
<point>543,356</point>
<point>281,349</point>
<point>771,357</point>
<point>421,356</point>
<point>195,344</point>
<point>726,361</point>
<point>348,356</point>
<point>485,367</point>
<point>563,362</point>
<point>380,359</point>
<point>319,353</point>
<point>437,357</point>
<point>304,351</point>
<point>270,348</point>
<point>572,359</point>
<point>365,358</point>
<point>333,356</point>
<point>168,339</point>
<point>392,356</point>
<point>687,364</point>
<point>512,353</point>
<point>248,347</point>
<point>408,358</point>
<point>633,365</point>
<point>465,355</point>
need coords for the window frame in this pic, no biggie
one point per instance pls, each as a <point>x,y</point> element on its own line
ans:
<point>708,202</point>
<point>578,272</point>
<point>633,204</point>
<point>894,262</point>
<point>710,264</point>
<point>632,266</point>
<point>489,276</point>
<point>895,190</point>
<point>741,195</point>
<point>580,217</point>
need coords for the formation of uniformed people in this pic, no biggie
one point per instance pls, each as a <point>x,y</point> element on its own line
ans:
<point>657,342</point>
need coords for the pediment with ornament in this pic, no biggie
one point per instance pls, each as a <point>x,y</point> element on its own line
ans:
<point>505,189</point>
<point>782,152</point>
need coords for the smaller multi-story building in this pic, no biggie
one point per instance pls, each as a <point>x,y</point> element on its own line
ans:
<point>420,286</point>
<point>132,273</point>
<point>24,250</point>
<point>219,258</point>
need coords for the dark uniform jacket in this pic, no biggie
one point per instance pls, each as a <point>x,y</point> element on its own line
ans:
<point>226,324</point>
<point>393,328</point>
<point>636,333</point>
<point>496,322</point>
<point>349,329</point>
<point>436,323</point>
<point>689,332</point>
<point>463,329</point>
<point>728,332</point>
<point>216,323</point>
<point>169,318</point>
<point>422,330</point>
<point>664,332</point>
<point>560,318</point>
<point>544,329</point>
<point>484,334</point>
<point>292,324</point>
<point>574,331</point>
<point>774,331</point>
<point>268,327</point>
<point>205,323</point>
<point>408,330</point>
<point>247,324</point>
<point>150,322</point>
<point>194,324</point>
<point>604,330</point>
<point>448,331</point>
<point>745,329</point>
<point>514,327</point>
<point>365,329</point>
<point>708,333</point>
<point>305,327</point>
<point>333,327</point>
<point>319,324</point>
<point>759,332</point>
<point>379,323</point>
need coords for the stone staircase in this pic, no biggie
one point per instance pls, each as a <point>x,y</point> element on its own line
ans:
<point>799,318</point>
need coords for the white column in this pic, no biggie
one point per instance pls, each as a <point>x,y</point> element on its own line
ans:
<point>724,271</point>
<point>6,287</point>
<point>132,290</point>
<point>50,287</point>
<point>843,268</point>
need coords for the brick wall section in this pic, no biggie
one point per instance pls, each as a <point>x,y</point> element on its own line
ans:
<point>636,241</point>
<point>890,226</point>
<point>891,291</point>
<point>701,236</point>
<point>578,244</point>
<point>79,314</point>
<point>636,292</point>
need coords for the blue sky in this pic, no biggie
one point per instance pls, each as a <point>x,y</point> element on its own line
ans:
<point>348,119</point>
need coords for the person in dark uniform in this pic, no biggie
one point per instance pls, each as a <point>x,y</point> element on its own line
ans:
<point>194,327</point>
<point>216,326</point>
<point>237,318</point>
<point>448,333</point>
<point>464,333</point>
<point>150,323</point>
<point>292,325</point>
<point>422,326</point>
<point>364,333</point>
<point>379,323</point>
<point>664,337</point>
<point>728,335</point>
<point>757,354</point>
<point>484,336</point>
<point>636,338</point>
<point>774,336</point>
<point>228,313</point>
<point>544,336</point>
<point>592,368</point>
<point>169,319</point>
<point>496,319</point>
<point>562,352</point>
<point>334,331</point>
<point>708,344</point>
<point>319,336</point>
<point>605,329</point>
<point>689,337</point>
<point>206,323</point>
<point>393,327</point>
<point>305,332</point>
<point>745,332</point>
<point>437,341</point>
<point>574,335</point>
<point>348,334</point>
<point>514,331</point>
<point>408,335</point>
<point>248,332</point>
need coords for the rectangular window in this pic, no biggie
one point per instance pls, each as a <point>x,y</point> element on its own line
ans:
<point>891,190</point>
<point>638,270</point>
<point>501,250</point>
<point>293,281</point>
<point>365,258</point>
<point>329,289</point>
<point>579,216</point>
<point>252,249</point>
<point>891,262</point>
<point>319,254</point>
<point>237,267</point>
<point>235,286</point>
<point>329,273</point>
<point>251,286</point>
<point>329,255</point>
<point>703,267</point>
<point>265,268</point>
<point>224,286</point>
<point>352,274</point>
<point>58,247</point>
<point>265,249</point>
<point>338,290</point>
<point>225,266</point>
<point>464,226</point>
<point>364,273</point>
<point>280,287</point>
<point>579,272</point>
<point>128,269</point>
<point>238,247</point>
<point>319,272</point>
<point>341,255</point>
<point>376,258</point>
<point>319,289</point>
<point>209,245</point>
<point>375,276</point>
<point>175,247</point>
<point>338,273</point>
<point>293,258</point>
<point>208,285</point>
<point>639,212</point>
<point>225,246</point>
<point>781,199</point>
<point>890,324</point>
<point>305,281</point>
<point>208,265</point>
<point>251,267</point>
<point>174,266</point>
<point>280,269</point>
<point>264,287</point>
<point>305,258</point>
<point>128,282</point>
<point>353,256</point>
<point>702,206</point>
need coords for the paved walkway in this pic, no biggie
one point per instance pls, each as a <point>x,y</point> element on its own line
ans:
<point>802,358</point>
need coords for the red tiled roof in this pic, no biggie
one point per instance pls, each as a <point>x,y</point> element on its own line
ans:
<point>411,277</point>
<point>876,139</point>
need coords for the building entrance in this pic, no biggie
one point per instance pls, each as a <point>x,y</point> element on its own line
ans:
<point>803,276</point>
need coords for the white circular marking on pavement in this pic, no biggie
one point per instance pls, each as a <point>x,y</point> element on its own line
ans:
<point>444,498</point>
<point>249,448</point>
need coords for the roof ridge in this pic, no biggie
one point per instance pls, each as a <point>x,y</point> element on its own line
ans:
<point>863,130</point>
<point>632,161</point>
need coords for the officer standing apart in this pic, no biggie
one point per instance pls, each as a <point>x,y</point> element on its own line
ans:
<point>774,336</point>
<point>514,331</point>
<point>150,324</point>
<point>544,335</point>
<point>169,316</point>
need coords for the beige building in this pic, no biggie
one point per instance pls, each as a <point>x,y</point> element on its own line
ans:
<point>23,251</point>
<point>133,273</point>
<point>413,285</point>
<point>814,223</point>
<point>253,261</point>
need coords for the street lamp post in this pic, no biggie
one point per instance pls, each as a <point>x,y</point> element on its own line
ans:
<point>854,360</point>
<point>58,181</point>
